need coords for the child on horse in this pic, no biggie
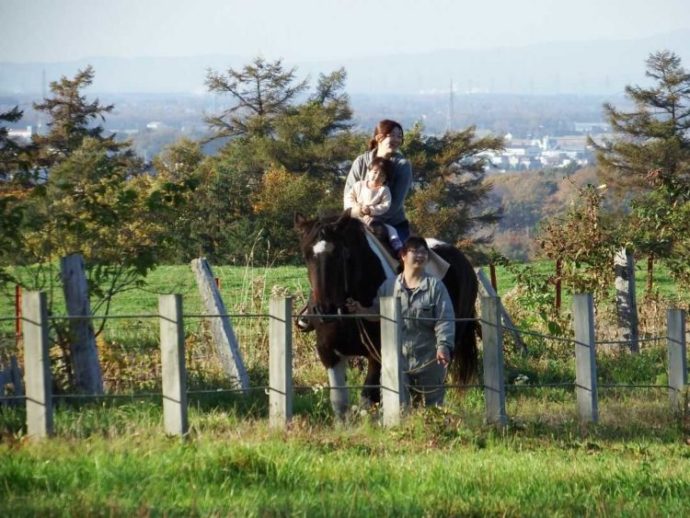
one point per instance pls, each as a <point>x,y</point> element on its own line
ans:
<point>370,198</point>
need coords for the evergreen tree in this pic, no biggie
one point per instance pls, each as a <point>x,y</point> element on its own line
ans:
<point>274,125</point>
<point>13,159</point>
<point>448,201</point>
<point>648,161</point>
<point>260,92</point>
<point>651,145</point>
<point>72,120</point>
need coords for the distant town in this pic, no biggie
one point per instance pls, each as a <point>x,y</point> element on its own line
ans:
<point>539,132</point>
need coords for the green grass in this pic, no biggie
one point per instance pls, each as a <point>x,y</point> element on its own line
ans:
<point>436,464</point>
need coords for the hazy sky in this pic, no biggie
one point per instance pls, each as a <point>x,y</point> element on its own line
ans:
<point>57,30</point>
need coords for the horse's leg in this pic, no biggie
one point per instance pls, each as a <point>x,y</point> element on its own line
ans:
<point>371,393</point>
<point>339,393</point>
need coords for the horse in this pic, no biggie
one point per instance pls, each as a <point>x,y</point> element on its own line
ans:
<point>341,265</point>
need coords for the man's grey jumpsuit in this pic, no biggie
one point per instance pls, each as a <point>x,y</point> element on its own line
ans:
<point>428,325</point>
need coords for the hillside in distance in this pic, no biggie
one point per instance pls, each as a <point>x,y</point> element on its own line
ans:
<point>592,67</point>
<point>528,198</point>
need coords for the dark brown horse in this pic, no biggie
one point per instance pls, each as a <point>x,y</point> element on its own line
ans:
<point>341,264</point>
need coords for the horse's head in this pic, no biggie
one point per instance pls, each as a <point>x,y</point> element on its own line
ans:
<point>334,250</point>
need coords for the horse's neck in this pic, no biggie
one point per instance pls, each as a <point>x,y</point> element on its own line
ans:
<point>387,262</point>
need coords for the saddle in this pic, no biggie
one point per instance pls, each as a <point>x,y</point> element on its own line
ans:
<point>436,266</point>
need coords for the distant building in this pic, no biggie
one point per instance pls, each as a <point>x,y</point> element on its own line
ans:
<point>19,135</point>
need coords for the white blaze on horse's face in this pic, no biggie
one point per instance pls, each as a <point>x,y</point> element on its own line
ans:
<point>323,247</point>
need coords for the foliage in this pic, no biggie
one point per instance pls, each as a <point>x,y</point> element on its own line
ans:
<point>649,160</point>
<point>273,125</point>
<point>584,240</point>
<point>85,194</point>
<point>448,201</point>
<point>71,120</point>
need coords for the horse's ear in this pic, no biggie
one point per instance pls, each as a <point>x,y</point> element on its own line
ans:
<point>299,222</point>
<point>344,218</point>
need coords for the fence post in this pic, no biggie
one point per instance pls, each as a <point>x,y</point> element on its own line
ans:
<point>626,303</point>
<point>173,365</point>
<point>87,371</point>
<point>224,338</point>
<point>280,362</point>
<point>492,342</point>
<point>585,358</point>
<point>38,380</point>
<point>394,393</point>
<point>677,359</point>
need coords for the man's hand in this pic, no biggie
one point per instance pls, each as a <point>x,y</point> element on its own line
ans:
<point>442,356</point>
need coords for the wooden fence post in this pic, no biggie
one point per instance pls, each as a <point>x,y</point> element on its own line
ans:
<point>173,365</point>
<point>487,289</point>
<point>585,358</point>
<point>677,357</point>
<point>492,342</point>
<point>394,393</point>
<point>87,371</point>
<point>626,303</point>
<point>224,337</point>
<point>38,380</point>
<point>280,362</point>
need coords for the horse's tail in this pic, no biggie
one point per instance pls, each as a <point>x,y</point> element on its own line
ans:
<point>463,287</point>
<point>464,366</point>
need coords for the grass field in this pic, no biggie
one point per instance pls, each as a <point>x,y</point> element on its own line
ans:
<point>115,461</point>
<point>110,456</point>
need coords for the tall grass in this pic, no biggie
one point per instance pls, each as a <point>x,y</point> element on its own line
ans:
<point>436,464</point>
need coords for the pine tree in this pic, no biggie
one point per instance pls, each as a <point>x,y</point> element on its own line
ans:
<point>260,92</point>
<point>648,162</point>
<point>72,119</point>
<point>449,198</point>
<point>651,145</point>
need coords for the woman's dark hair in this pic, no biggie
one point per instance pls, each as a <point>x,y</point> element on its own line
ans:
<point>384,166</point>
<point>384,127</point>
<point>414,243</point>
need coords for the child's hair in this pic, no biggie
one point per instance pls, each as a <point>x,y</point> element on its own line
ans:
<point>385,167</point>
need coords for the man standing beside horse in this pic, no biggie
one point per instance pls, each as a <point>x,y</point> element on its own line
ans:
<point>428,329</point>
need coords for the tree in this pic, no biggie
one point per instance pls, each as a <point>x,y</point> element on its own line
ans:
<point>89,195</point>
<point>261,91</point>
<point>651,140</point>
<point>448,200</point>
<point>72,120</point>
<point>648,161</point>
<point>584,239</point>
<point>12,164</point>
<point>274,124</point>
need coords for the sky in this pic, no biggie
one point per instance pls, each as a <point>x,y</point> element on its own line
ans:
<point>298,30</point>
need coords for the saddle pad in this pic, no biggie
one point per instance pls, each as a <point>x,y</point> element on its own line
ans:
<point>437,266</point>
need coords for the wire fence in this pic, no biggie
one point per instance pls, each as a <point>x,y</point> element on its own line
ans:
<point>286,319</point>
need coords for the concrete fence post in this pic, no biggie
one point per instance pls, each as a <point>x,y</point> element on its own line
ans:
<point>37,377</point>
<point>677,357</point>
<point>224,338</point>
<point>173,365</point>
<point>492,341</point>
<point>280,392</point>
<point>585,358</point>
<point>394,393</point>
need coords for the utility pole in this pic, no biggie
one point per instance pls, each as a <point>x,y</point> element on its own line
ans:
<point>450,108</point>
